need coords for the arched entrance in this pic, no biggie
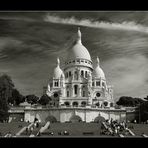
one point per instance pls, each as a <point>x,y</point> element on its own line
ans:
<point>75,104</point>
<point>37,117</point>
<point>111,104</point>
<point>97,104</point>
<point>75,118</point>
<point>83,103</point>
<point>105,103</point>
<point>51,118</point>
<point>67,104</point>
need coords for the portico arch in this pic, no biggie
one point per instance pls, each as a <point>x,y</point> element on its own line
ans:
<point>51,118</point>
<point>67,103</point>
<point>75,104</point>
<point>75,118</point>
<point>83,103</point>
<point>99,119</point>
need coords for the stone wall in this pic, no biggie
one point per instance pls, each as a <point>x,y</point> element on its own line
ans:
<point>64,114</point>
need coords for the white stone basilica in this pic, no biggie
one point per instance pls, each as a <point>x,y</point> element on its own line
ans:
<point>80,84</point>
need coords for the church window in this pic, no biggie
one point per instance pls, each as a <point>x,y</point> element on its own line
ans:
<point>103,84</point>
<point>85,61</point>
<point>55,83</point>
<point>93,83</point>
<point>85,74</point>
<point>67,93</point>
<point>111,104</point>
<point>73,61</point>
<point>55,95</point>
<point>76,89</point>
<point>97,104</point>
<point>83,93</point>
<point>82,61</point>
<point>69,73</point>
<point>83,87</point>
<point>105,103</point>
<point>98,83</point>
<point>98,94</point>
<point>82,73</point>
<point>76,75</point>
<point>66,74</point>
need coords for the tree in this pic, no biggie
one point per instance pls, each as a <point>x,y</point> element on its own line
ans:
<point>44,100</point>
<point>3,109</point>
<point>146,98</point>
<point>129,101</point>
<point>32,99</point>
<point>18,98</point>
<point>6,86</point>
<point>143,111</point>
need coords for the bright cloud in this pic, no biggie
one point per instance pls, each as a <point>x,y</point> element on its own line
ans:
<point>132,26</point>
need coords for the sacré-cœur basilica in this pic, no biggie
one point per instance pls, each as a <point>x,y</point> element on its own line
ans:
<point>80,83</point>
<point>78,90</point>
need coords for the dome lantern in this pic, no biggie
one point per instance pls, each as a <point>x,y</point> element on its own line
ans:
<point>57,71</point>
<point>79,36</point>
<point>58,61</point>
<point>98,61</point>
<point>98,72</point>
<point>78,50</point>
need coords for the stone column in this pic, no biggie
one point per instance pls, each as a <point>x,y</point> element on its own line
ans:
<point>73,76</point>
<point>80,90</point>
<point>72,91</point>
<point>63,91</point>
<point>59,83</point>
<point>100,82</point>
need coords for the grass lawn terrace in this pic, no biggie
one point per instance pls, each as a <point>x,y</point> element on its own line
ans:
<point>138,129</point>
<point>74,129</point>
<point>13,127</point>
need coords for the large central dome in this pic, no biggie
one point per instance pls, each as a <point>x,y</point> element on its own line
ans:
<point>78,51</point>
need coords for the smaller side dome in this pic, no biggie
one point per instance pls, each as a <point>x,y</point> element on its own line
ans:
<point>58,73</point>
<point>98,72</point>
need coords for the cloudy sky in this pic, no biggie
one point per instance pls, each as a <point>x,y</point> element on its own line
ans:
<point>31,41</point>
